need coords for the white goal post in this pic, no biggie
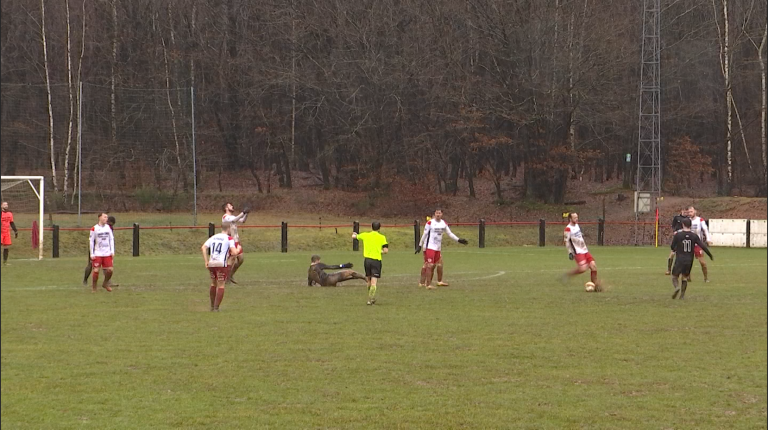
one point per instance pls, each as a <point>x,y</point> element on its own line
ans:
<point>17,185</point>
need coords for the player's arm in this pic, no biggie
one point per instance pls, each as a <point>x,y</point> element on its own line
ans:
<point>385,248</point>
<point>204,249</point>
<point>111,242</point>
<point>92,242</point>
<point>702,245</point>
<point>675,242</point>
<point>454,237</point>
<point>427,228</point>
<point>358,236</point>
<point>568,244</point>
<point>705,231</point>
<point>13,227</point>
<point>234,249</point>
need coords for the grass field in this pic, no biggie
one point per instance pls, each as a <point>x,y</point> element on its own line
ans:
<point>505,346</point>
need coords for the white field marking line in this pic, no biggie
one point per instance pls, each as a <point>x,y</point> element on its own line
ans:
<point>294,280</point>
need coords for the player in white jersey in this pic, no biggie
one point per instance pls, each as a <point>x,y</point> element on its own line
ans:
<point>699,226</point>
<point>220,247</point>
<point>101,245</point>
<point>432,240</point>
<point>233,220</point>
<point>577,250</point>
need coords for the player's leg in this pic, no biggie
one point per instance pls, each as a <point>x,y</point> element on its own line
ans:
<point>212,289</point>
<point>703,266</point>
<point>670,260</point>
<point>593,274</point>
<point>96,263</point>
<point>237,262</point>
<point>221,280</point>
<point>108,271</point>
<point>676,271</point>
<point>341,276</point>
<point>5,241</point>
<point>686,271</point>
<point>5,254</point>
<point>423,277</point>
<point>439,265</point>
<point>87,273</point>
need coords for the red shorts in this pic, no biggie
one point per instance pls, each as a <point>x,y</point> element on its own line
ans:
<point>697,251</point>
<point>219,273</point>
<point>583,258</point>
<point>105,262</point>
<point>431,256</point>
<point>5,239</point>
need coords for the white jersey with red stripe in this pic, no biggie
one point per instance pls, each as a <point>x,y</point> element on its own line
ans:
<point>699,226</point>
<point>102,241</point>
<point>574,240</point>
<point>233,220</point>
<point>219,246</point>
<point>433,234</point>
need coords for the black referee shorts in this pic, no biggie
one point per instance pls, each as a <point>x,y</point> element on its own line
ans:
<point>372,268</point>
<point>682,266</point>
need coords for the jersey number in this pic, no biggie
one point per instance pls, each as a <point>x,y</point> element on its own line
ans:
<point>216,248</point>
<point>686,246</point>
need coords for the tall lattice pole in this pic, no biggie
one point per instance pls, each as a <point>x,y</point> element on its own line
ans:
<point>648,178</point>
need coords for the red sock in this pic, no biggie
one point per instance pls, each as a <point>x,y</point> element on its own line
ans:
<point>213,295</point>
<point>219,297</point>
<point>594,276</point>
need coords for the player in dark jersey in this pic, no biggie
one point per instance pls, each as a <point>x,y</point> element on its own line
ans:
<point>317,275</point>
<point>89,267</point>
<point>677,225</point>
<point>683,245</point>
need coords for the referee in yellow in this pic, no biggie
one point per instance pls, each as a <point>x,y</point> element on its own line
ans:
<point>374,244</point>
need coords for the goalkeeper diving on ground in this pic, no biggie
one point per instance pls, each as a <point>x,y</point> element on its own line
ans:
<point>317,273</point>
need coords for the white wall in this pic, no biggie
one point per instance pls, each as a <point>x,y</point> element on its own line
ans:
<point>733,232</point>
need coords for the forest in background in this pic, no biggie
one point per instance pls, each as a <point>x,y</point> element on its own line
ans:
<point>367,92</point>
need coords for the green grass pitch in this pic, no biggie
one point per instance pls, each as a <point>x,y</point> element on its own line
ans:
<point>505,346</point>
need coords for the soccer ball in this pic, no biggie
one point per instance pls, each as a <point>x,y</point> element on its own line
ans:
<point>589,287</point>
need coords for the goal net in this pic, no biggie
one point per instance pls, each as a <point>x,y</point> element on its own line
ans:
<point>25,197</point>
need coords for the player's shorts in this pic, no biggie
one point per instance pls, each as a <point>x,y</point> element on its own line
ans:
<point>372,268</point>
<point>431,256</point>
<point>219,273</point>
<point>697,251</point>
<point>583,258</point>
<point>5,239</point>
<point>105,262</point>
<point>682,266</point>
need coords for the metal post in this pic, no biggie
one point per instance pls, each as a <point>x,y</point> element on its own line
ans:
<point>55,241</point>
<point>284,237</point>
<point>749,233</point>
<point>542,232</point>
<point>194,153</point>
<point>79,153</point>
<point>481,234</point>
<point>211,229</point>
<point>600,232</point>
<point>135,239</point>
<point>40,219</point>
<point>416,235</point>
<point>355,242</point>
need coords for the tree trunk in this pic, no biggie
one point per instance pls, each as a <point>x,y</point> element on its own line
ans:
<point>71,104</point>
<point>180,173</point>
<point>112,101</point>
<point>50,105</point>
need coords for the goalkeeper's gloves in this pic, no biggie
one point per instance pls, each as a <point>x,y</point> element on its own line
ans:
<point>463,241</point>
<point>347,266</point>
<point>16,234</point>
<point>246,209</point>
<point>570,256</point>
<point>418,249</point>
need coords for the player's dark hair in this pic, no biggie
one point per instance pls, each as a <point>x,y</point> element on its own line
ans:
<point>570,216</point>
<point>111,220</point>
<point>376,226</point>
<point>101,213</point>
<point>224,206</point>
<point>687,222</point>
<point>438,209</point>
<point>315,258</point>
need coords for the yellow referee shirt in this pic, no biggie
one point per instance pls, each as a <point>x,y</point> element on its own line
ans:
<point>373,242</point>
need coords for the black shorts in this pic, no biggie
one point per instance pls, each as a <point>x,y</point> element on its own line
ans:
<point>682,266</point>
<point>372,268</point>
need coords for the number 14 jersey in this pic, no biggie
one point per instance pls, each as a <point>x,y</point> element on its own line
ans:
<point>219,246</point>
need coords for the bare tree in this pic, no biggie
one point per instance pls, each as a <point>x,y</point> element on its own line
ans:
<point>48,90</point>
